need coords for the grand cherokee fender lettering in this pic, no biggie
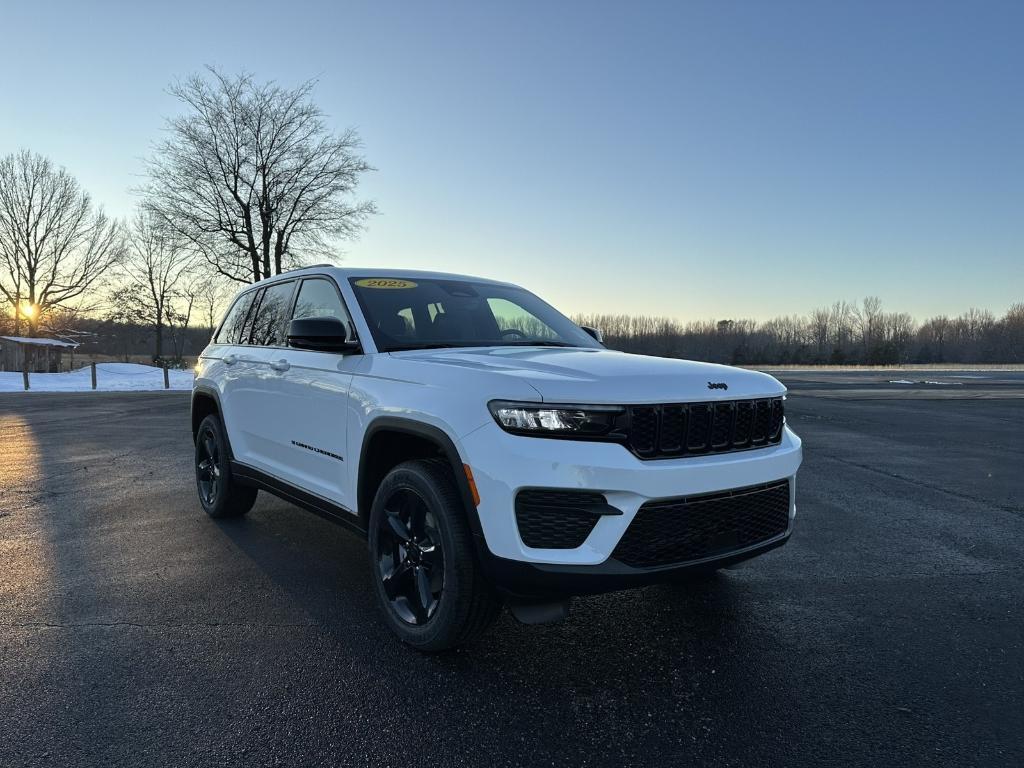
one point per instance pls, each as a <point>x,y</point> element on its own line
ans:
<point>314,449</point>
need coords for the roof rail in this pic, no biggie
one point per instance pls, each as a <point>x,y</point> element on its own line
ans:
<point>310,266</point>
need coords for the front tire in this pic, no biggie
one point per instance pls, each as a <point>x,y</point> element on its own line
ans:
<point>219,493</point>
<point>425,573</point>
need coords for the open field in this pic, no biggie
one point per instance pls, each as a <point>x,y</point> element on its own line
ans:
<point>134,630</point>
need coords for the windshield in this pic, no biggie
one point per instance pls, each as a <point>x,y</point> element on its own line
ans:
<point>426,313</point>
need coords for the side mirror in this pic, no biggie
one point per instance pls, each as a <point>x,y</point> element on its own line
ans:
<point>594,332</point>
<point>321,334</point>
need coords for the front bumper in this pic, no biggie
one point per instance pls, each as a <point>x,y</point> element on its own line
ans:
<point>541,581</point>
<point>503,464</point>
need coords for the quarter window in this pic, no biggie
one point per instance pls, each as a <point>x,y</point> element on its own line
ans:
<point>231,328</point>
<point>273,309</point>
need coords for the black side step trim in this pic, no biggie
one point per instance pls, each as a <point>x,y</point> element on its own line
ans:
<point>300,498</point>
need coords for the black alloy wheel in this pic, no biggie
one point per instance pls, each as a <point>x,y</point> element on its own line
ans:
<point>422,555</point>
<point>219,493</point>
<point>410,557</point>
<point>208,468</point>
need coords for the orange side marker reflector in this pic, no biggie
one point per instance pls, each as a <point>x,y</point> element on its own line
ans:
<point>472,485</point>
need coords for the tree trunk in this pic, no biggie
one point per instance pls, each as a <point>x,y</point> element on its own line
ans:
<point>159,341</point>
<point>17,310</point>
<point>257,275</point>
<point>278,252</point>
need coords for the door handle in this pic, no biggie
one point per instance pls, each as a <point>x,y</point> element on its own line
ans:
<point>230,359</point>
<point>281,365</point>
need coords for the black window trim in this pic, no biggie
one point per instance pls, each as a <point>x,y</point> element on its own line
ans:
<point>259,288</point>
<point>296,281</point>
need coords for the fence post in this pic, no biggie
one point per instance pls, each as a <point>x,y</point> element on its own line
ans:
<point>93,375</point>
<point>26,355</point>
<point>24,375</point>
<point>167,383</point>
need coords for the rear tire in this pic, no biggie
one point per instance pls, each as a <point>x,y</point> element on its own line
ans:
<point>219,493</point>
<point>424,567</point>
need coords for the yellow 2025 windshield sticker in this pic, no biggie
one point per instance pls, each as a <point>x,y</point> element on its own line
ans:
<point>384,282</point>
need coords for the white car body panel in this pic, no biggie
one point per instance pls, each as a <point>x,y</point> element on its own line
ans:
<point>596,376</point>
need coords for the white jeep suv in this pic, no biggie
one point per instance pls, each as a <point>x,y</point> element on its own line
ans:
<point>490,450</point>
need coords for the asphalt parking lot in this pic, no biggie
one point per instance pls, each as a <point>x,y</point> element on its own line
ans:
<point>136,631</point>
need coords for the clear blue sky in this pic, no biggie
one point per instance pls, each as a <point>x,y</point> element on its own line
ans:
<point>688,159</point>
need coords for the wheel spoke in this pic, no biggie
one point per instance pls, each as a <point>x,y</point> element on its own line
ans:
<point>397,527</point>
<point>210,447</point>
<point>393,581</point>
<point>424,597</point>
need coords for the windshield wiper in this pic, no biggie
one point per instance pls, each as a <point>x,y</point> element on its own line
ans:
<point>432,345</point>
<point>537,343</point>
<point>479,343</point>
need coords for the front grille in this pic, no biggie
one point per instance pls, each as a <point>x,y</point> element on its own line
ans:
<point>679,429</point>
<point>693,528</point>
<point>553,519</point>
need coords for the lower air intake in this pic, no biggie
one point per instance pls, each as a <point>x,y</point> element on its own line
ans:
<point>554,519</point>
<point>697,527</point>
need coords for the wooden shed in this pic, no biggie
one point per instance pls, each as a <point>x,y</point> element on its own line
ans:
<point>42,355</point>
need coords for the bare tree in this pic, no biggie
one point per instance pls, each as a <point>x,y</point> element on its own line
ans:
<point>154,271</point>
<point>54,244</point>
<point>180,315</point>
<point>252,176</point>
<point>867,318</point>
<point>212,296</point>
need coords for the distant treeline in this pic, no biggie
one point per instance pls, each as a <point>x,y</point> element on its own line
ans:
<point>844,333</point>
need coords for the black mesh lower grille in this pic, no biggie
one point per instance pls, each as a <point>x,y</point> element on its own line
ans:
<point>696,527</point>
<point>553,519</point>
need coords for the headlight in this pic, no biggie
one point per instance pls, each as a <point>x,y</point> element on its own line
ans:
<point>555,420</point>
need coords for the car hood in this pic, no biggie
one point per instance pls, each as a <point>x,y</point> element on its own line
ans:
<point>579,375</point>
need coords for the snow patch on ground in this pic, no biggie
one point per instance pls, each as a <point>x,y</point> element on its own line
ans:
<point>927,381</point>
<point>110,377</point>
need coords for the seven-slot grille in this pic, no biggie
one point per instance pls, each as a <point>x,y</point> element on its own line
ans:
<point>679,429</point>
<point>680,530</point>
